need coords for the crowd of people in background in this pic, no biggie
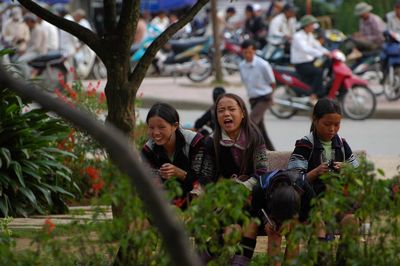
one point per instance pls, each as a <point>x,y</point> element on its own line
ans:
<point>31,36</point>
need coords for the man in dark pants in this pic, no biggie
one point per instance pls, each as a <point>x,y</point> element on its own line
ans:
<point>304,51</point>
<point>259,80</point>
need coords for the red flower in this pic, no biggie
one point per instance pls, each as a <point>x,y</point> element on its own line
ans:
<point>102,97</point>
<point>93,173</point>
<point>395,189</point>
<point>49,226</point>
<point>98,186</point>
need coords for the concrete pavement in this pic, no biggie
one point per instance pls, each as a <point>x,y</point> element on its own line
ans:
<point>184,94</point>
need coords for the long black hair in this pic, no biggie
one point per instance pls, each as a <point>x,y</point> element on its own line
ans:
<point>284,203</point>
<point>253,136</point>
<point>323,107</point>
<point>165,111</point>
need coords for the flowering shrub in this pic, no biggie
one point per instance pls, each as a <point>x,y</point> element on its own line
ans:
<point>87,166</point>
<point>31,168</point>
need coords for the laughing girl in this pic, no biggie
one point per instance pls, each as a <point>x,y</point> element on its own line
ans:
<point>173,152</point>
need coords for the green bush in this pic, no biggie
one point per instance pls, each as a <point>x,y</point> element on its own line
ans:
<point>95,242</point>
<point>31,167</point>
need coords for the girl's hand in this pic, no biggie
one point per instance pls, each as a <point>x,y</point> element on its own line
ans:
<point>316,172</point>
<point>322,169</point>
<point>168,170</point>
<point>337,165</point>
<point>270,231</point>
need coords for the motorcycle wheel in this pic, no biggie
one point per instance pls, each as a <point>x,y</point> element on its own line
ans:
<point>374,78</point>
<point>391,84</point>
<point>281,111</point>
<point>358,103</point>
<point>201,69</point>
<point>230,63</point>
<point>99,69</point>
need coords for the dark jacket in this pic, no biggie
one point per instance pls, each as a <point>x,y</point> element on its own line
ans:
<point>228,166</point>
<point>307,155</point>
<point>262,191</point>
<point>189,156</point>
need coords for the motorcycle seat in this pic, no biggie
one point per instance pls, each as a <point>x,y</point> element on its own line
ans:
<point>290,70</point>
<point>49,58</point>
<point>184,44</point>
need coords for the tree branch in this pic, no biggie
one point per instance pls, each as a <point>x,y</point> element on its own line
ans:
<point>82,33</point>
<point>128,19</point>
<point>110,16</point>
<point>144,63</point>
<point>124,156</point>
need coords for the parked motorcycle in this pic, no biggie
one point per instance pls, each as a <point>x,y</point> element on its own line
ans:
<point>48,69</point>
<point>188,57</point>
<point>292,95</point>
<point>390,57</point>
<point>231,52</point>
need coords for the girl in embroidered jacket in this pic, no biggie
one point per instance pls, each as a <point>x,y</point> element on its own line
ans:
<point>171,151</point>
<point>322,151</point>
<point>239,152</point>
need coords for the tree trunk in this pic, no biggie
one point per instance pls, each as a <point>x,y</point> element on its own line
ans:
<point>217,43</point>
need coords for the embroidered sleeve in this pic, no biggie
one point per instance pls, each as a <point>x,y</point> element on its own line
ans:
<point>261,160</point>
<point>350,157</point>
<point>202,164</point>
<point>299,158</point>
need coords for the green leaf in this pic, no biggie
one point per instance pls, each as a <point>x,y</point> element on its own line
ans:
<point>380,171</point>
<point>66,177</point>
<point>59,189</point>
<point>4,205</point>
<point>46,193</point>
<point>26,153</point>
<point>6,155</point>
<point>18,172</point>
<point>29,194</point>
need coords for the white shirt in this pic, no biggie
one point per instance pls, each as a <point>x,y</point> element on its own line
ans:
<point>68,42</point>
<point>305,48</point>
<point>161,23</point>
<point>393,22</point>
<point>279,27</point>
<point>257,76</point>
<point>52,35</point>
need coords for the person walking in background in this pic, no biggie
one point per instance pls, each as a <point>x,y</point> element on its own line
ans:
<point>393,18</point>
<point>304,51</point>
<point>259,80</point>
